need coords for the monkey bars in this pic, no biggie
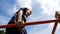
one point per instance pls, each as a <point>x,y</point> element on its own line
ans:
<point>35,23</point>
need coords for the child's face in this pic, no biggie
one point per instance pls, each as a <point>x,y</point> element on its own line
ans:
<point>28,13</point>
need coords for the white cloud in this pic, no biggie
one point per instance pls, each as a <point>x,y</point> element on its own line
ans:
<point>24,3</point>
<point>39,29</point>
<point>49,7</point>
<point>3,20</point>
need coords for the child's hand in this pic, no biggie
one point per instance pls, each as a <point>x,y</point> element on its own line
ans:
<point>20,24</point>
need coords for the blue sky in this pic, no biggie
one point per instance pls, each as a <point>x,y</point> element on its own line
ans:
<point>41,10</point>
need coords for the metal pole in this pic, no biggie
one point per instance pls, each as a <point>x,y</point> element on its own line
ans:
<point>55,26</point>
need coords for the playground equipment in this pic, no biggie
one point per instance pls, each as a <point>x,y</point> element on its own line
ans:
<point>56,21</point>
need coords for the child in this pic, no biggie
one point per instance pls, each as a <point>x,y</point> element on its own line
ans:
<point>19,18</point>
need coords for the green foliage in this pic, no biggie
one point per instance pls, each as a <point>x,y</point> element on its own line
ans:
<point>2,32</point>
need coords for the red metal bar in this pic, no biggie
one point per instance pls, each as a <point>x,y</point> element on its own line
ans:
<point>29,23</point>
<point>34,23</point>
<point>40,22</point>
<point>55,26</point>
<point>8,26</point>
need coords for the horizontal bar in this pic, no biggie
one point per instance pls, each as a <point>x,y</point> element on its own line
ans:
<point>40,22</point>
<point>29,23</point>
<point>8,26</point>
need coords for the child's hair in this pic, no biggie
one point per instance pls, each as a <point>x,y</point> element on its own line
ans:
<point>23,9</point>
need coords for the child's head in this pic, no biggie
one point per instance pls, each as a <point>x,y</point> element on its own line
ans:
<point>28,11</point>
